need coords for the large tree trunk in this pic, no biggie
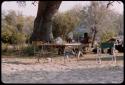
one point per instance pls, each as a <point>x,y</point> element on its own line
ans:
<point>43,23</point>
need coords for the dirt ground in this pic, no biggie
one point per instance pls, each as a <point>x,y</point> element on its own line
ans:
<point>86,70</point>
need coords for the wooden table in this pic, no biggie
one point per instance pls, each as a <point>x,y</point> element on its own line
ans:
<point>75,45</point>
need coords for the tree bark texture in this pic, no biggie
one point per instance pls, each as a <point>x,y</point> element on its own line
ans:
<point>43,22</point>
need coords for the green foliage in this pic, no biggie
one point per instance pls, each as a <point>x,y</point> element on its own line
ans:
<point>20,23</point>
<point>4,47</point>
<point>63,23</point>
<point>17,38</point>
<point>108,23</point>
<point>6,36</point>
<point>107,35</point>
<point>16,27</point>
<point>29,50</point>
<point>5,50</point>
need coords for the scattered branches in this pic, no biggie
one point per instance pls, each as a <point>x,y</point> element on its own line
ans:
<point>22,3</point>
<point>111,3</point>
<point>34,3</point>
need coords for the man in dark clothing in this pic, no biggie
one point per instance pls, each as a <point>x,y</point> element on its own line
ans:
<point>86,41</point>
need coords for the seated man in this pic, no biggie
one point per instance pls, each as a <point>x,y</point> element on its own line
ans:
<point>86,41</point>
<point>69,40</point>
<point>59,41</point>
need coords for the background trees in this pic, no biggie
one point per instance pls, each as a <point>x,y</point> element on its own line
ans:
<point>94,15</point>
<point>16,28</point>
<point>103,19</point>
<point>64,23</point>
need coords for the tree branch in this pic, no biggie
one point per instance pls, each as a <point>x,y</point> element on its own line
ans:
<point>21,3</point>
<point>110,3</point>
<point>34,3</point>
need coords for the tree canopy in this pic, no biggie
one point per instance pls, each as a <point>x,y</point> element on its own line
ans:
<point>15,27</point>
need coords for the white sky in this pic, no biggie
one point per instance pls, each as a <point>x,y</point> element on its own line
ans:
<point>29,9</point>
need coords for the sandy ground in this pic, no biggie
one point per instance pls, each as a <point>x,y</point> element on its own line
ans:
<point>86,70</point>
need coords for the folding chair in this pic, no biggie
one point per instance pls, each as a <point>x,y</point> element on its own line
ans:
<point>105,46</point>
<point>69,50</point>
